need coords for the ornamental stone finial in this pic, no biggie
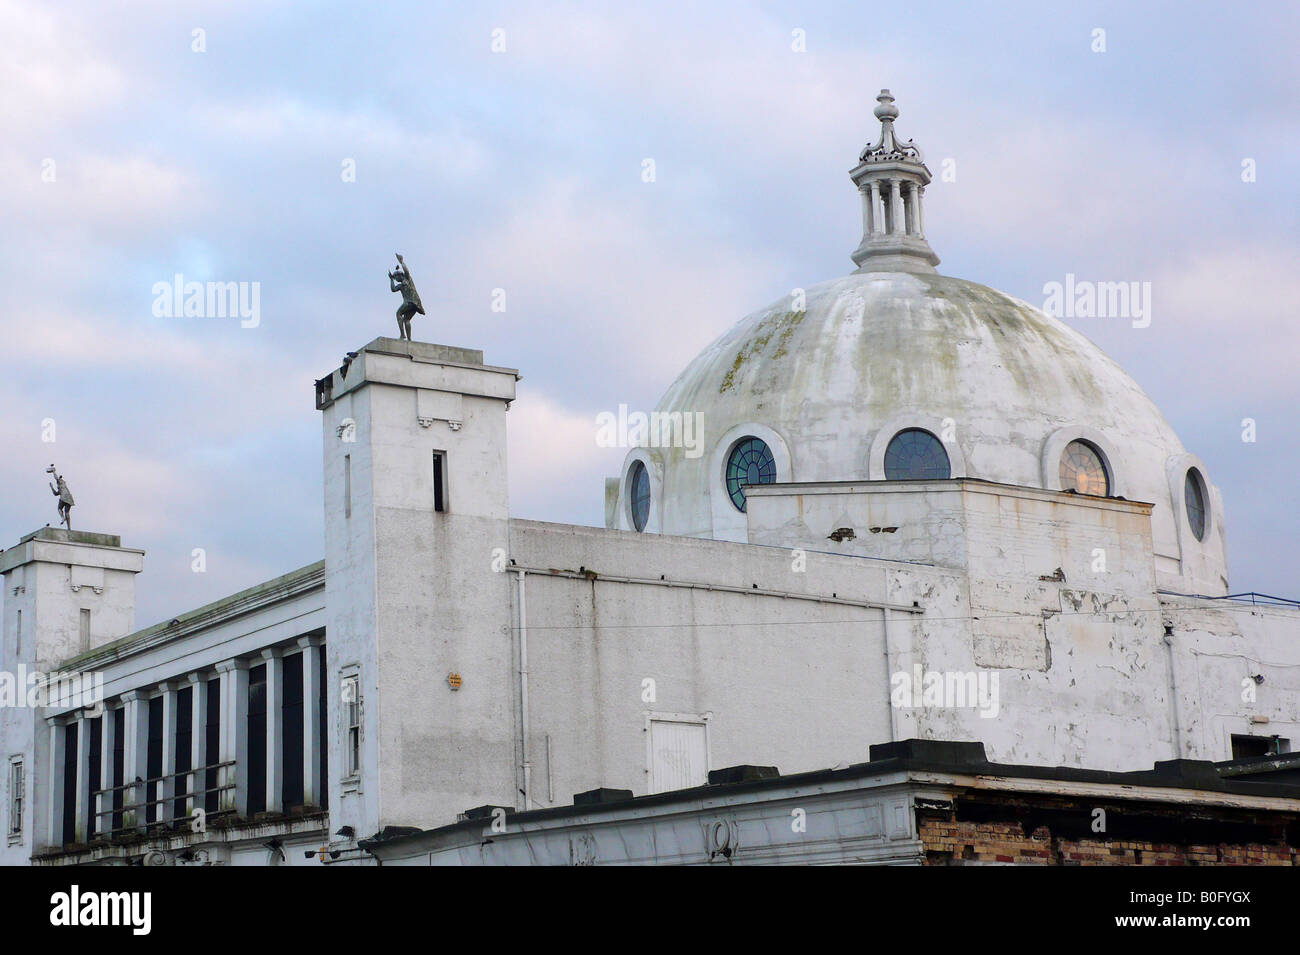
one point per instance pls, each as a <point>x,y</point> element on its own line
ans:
<point>886,111</point>
<point>892,176</point>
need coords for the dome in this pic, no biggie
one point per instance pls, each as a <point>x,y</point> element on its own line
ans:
<point>828,377</point>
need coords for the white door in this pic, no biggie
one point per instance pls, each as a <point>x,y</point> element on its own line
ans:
<point>678,755</point>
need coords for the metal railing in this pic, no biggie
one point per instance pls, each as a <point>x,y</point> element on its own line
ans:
<point>166,815</point>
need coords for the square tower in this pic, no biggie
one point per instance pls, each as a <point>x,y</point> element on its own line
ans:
<point>416,538</point>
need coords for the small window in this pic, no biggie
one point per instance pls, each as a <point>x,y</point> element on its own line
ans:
<point>18,646</point>
<point>85,630</point>
<point>439,481</point>
<point>17,789</point>
<point>750,462</point>
<point>351,699</point>
<point>1245,746</point>
<point>1194,502</point>
<point>1083,471</point>
<point>916,455</point>
<point>347,485</point>
<point>639,495</point>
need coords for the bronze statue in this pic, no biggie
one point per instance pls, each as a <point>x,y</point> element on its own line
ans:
<point>399,280</point>
<point>64,496</point>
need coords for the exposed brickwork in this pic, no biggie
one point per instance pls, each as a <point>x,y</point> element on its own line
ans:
<point>948,841</point>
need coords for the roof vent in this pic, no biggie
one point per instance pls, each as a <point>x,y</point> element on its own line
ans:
<point>484,812</point>
<point>742,774</point>
<point>595,796</point>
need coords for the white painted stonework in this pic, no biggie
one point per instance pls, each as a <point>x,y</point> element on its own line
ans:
<point>508,662</point>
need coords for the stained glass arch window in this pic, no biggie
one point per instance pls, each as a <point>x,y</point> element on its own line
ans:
<point>916,455</point>
<point>639,494</point>
<point>750,462</point>
<point>1194,502</point>
<point>1083,470</point>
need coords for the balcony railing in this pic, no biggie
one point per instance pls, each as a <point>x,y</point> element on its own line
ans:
<point>164,809</point>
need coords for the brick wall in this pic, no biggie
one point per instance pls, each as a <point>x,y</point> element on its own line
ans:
<point>949,840</point>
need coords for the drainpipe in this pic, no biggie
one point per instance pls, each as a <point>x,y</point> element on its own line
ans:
<point>889,675</point>
<point>523,694</point>
<point>1173,694</point>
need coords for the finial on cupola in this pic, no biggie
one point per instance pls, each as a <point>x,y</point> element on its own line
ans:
<point>891,177</point>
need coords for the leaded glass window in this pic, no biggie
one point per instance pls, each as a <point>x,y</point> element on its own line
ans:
<point>916,455</point>
<point>639,495</point>
<point>1082,470</point>
<point>750,462</point>
<point>1194,500</point>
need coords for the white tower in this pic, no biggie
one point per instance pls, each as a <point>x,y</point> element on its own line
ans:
<point>416,533</point>
<point>65,593</point>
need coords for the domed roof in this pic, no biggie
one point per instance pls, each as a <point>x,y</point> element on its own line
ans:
<point>895,350</point>
<point>828,376</point>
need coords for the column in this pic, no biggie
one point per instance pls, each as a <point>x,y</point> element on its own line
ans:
<point>920,212</point>
<point>81,818</point>
<point>198,741</point>
<point>104,801</point>
<point>909,208</point>
<point>234,735</point>
<point>54,785</point>
<point>312,783</point>
<point>167,787</point>
<point>274,729</point>
<point>135,758</point>
<point>895,206</point>
<point>876,227</point>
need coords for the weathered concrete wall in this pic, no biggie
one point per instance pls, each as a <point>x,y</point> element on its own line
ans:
<point>788,666</point>
<point>1218,650</point>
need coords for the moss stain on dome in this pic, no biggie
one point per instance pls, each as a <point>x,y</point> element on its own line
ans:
<point>780,325</point>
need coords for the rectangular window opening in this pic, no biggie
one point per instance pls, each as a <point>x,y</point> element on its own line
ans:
<point>347,485</point>
<point>93,770</point>
<point>184,748</point>
<point>257,739</point>
<point>119,765</point>
<point>17,791</point>
<point>439,481</point>
<point>211,797</point>
<point>153,811</point>
<point>85,630</point>
<point>322,729</point>
<point>351,700</point>
<point>69,820</point>
<point>291,792</point>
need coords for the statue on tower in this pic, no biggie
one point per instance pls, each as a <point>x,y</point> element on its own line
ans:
<point>64,496</point>
<point>399,280</point>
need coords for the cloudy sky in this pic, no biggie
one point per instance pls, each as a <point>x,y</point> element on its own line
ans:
<point>128,157</point>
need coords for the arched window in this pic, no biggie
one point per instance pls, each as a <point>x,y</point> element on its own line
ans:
<point>1083,470</point>
<point>750,462</point>
<point>1194,502</point>
<point>639,495</point>
<point>916,455</point>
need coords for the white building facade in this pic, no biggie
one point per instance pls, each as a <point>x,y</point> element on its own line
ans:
<point>924,510</point>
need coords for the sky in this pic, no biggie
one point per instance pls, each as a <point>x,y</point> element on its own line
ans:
<point>501,146</point>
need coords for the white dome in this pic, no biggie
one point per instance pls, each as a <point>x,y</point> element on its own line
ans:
<point>828,377</point>
<point>1004,386</point>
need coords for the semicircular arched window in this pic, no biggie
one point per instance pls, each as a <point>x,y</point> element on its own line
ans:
<point>639,495</point>
<point>1194,502</point>
<point>916,455</point>
<point>1083,470</point>
<point>750,462</point>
